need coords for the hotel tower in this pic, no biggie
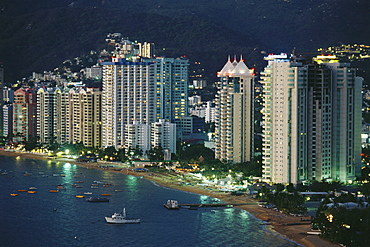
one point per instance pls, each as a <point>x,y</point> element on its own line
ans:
<point>234,113</point>
<point>142,91</point>
<point>311,120</point>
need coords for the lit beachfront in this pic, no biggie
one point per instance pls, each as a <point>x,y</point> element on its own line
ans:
<point>289,226</point>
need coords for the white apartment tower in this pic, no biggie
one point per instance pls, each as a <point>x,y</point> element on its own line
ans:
<point>84,116</point>
<point>142,91</point>
<point>47,112</point>
<point>311,120</point>
<point>234,113</point>
<point>138,136</point>
<point>163,134</point>
<point>129,95</point>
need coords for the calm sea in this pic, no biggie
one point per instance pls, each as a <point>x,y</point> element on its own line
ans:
<point>61,219</point>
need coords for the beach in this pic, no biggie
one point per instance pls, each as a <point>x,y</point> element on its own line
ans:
<point>290,227</point>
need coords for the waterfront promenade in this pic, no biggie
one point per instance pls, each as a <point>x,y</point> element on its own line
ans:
<point>288,226</point>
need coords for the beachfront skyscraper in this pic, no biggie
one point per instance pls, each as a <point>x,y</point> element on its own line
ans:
<point>47,113</point>
<point>171,91</point>
<point>83,113</point>
<point>311,119</point>
<point>24,115</point>
<point>128,96</point>
<point>1,99</point>
<point>142,91</point>
<point>234,113</point>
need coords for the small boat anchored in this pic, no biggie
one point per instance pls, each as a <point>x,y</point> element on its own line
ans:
<point>172,204</point>
<point>118,218</point>
<point>98,199</point>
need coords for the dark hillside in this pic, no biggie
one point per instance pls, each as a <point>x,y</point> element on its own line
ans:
<point>42,40</point>
<point>38,35</point>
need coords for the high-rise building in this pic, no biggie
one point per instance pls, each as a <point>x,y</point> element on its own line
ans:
<point>311,120</point>
<point>234,113</point>
<point>171,97</point>
<point>24,115</point>
<point>46,112</point>
<point>142,91</point>
<point>128,96</point>
<point>1,99</point>
<point>84,116</point>
<point>8,120</point>
<point>7,111</point>
<point>51,115</point>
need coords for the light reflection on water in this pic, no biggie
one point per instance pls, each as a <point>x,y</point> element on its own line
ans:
<point>34,217</point>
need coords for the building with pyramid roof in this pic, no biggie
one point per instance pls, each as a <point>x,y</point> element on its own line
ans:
<point>234,112</point>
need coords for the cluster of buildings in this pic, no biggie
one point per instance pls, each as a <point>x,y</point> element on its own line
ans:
<point>311,124</point>
<point>143,104</point>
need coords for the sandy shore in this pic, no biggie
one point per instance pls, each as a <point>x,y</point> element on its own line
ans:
<point>293,228</point>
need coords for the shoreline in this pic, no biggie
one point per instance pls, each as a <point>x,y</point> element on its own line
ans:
<point>288,227</point>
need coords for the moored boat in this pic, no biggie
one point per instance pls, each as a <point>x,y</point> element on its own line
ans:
<point>98,199</point>
<point>120,218</point>
<point>172,204</point>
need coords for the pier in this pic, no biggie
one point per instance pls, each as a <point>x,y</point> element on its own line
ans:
<point>200,205</point>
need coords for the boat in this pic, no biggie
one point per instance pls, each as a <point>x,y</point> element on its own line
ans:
<point>22,190</point>
<point>13,194</point>
<point>98,199</point>
<point>105,194</point>
<point>31,192</point>
<point>54,191</point>
<point>118,218</point>
<point>87,193</point>
<point>172,204</point>
<point>80,196</point>
<point>32,188</point>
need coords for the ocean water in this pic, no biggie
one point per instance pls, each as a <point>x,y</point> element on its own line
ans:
<point>61,219</point>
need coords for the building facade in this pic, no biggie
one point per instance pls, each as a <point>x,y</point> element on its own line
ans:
<point>138,136</point>
<point>142,91</point>
<point>234,121</point>
<point>128,96</point>
<point>163,134</point>
<point>24,115</point>
<point>311,120</point>
<point>84,117</point>
<point>47,115</point>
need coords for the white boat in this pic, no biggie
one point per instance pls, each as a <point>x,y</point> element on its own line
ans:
<point>118,218</point>
<point>172,205</point>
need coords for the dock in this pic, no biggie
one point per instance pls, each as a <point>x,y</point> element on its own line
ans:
<point>212,204</point>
